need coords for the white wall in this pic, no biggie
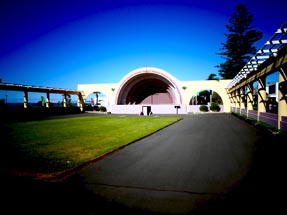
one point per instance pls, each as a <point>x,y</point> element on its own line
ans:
<point>155,109</point>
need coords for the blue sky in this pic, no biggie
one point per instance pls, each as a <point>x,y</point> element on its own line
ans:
<point>62,43</point>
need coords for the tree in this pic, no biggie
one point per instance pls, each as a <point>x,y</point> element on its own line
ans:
<point>239,46</point>
<point>69,101</point>
<point>212,76</point>
<point>216,98</point>
<point>204,97</point>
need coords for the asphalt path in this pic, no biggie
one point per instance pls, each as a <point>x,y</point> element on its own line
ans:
<point>203,164</point>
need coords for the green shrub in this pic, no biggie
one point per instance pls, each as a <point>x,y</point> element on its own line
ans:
<point>102,109</point>
<point>96,108</point>
<point>203,108</point>
<point>88,107</point>
<point>214,107</point>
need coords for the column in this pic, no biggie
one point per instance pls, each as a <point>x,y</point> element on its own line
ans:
<point>81,102</point>
<point>241,94</point>
<point>249,97</point>
<point>237,93</point>
<point>65,100</point>
<point>262,96</point>
<point>234,100</point>
<point>47,100</point>
<point>25,99</point>
<point>231,98</point>
<point>282,95</point>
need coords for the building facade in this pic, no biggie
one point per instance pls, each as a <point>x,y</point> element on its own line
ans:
<point>153,90</point>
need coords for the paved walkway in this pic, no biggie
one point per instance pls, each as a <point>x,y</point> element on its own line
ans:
<point>203,164</point>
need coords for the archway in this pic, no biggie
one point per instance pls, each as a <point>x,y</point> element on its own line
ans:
<point>148,86</point>
<point>206,97</point>
<point>96,101</point>
<point>210,97</point>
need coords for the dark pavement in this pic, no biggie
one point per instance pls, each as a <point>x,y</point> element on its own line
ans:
<point>203,164</point>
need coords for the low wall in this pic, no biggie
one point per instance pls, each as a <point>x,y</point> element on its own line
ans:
<point>252,114</point>
<point>269,118</point>
<point>283,123</point>
<point>195,108</point>
<point>244,112</point>
<point>155,109</point>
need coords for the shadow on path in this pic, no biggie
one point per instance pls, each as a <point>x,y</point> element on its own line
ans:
<point>263,190</point>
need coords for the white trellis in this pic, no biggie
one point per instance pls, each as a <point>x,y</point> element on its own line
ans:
<point>269,49</point>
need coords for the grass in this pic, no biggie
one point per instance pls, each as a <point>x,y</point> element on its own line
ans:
<point>49,147</point>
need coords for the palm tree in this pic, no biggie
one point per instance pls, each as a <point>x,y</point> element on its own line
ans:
<point>212,76</point>
<point>97,97</point>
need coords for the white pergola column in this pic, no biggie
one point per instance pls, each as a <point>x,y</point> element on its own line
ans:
<point>65,100</point>
<point>81,102</point>
<point>25,99</point>
<point>47,100</point>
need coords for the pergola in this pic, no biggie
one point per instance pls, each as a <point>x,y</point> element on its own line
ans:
<point>271,58</point>
<point>269,49</point>
<point>42,89</point>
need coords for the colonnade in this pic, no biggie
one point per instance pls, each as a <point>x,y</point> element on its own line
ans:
<point>26,89</point>
<point>253,103</point>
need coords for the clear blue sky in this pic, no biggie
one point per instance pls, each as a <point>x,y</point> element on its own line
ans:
<point>62,43</point>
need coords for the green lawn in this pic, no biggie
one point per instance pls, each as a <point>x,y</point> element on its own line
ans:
<point>50,147</point>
